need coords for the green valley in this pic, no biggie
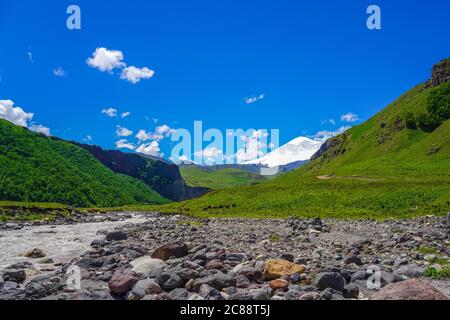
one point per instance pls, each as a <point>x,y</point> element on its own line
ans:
<point>394,165</point>
<point>218,178</point>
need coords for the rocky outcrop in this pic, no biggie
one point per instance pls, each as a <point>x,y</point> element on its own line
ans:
<point>440,72</point>
<point>162,176</point>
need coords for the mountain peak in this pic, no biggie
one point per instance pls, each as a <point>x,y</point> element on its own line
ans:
<point>298,149</point>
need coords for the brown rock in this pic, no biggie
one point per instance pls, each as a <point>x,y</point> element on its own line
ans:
<point>174,249</point>
<point>413,289</point>
<point>35,253</point>
<point>276,268</point>
<point>153,288</point>
<point>215,264</point>
<point>121,283</point>
<point>279,284</point>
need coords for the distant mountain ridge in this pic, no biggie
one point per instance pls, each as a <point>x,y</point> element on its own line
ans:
<point>162,176</point>
<point>37,168</point>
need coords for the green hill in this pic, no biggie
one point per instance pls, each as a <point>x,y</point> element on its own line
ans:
<point>217,178</point>
<point>36,168</point>
<point>396,164</point>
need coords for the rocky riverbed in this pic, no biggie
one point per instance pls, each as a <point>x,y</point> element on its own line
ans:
<point>160,257</point>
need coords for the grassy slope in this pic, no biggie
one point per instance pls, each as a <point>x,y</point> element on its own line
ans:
<point>218,178</point>
<point>36,168</point>
<point>408,179</point>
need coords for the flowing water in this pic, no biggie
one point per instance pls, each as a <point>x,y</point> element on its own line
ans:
<point>61,243</point>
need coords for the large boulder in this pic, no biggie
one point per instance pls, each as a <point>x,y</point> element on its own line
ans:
<point>277,268</point>
<point>168,250</point>
<point>145,266</point>
<point>413,289</point>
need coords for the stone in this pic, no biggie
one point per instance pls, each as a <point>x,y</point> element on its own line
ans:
<point>288,257</point>
<point>333,280</point>
<point>413,289</point>
<point>169,281</point>
<point>90,262</point>
<point>214,264</point>
<point>140,288</point>
<point>253,274</point>
<point>195,297</point>
<point>145,266</point>
<point>217,281</point>
<point>14,275</point>
<point>116,236</point>
<point>353,259</point>
<point>35,253</point>
<point>409,271</point>
<point>153,288</point>
<point>276,268</point>
<point>98,243</point>
<point>310,296</point>
<point>121,283</point>
<point>178,294</point>
<point>242,281</point>
<point>260,294</point>
<point>168,250</point>
<point>34,289</point>
<point>351,291</point>
<point>359,275</point>
<point>206,291</point>
<point>279,284</point>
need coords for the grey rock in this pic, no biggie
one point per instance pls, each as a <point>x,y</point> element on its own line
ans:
<point>178,294</point>
<point>116,236</point>
<point>139,289</point>
<point>14,275</point>
<point>169,281</point>
<point>351,291</point>
<point>260,294</point>
<point>332,280</point>
<point>218,281</point>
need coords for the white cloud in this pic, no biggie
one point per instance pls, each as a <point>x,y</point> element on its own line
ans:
<point>158,135</point>
<point>253,99</point>
<point>59,72</point>
<point>143,135</point>
<point>88,138</point>
<point>110,112</point>
<point>124,144</point>
<point>325,134</point>
<point>125,114</point>
<point>349,117</point>
<point>18,116</point>
<point>164,130</point>
<point>106,60</point>
<point>123,132</point>
<point>134,74</point>
<point>328,121</point>
<point>151,149</point>
<point>210,155</point>
<point>13,114</point>
<point>40,129</point>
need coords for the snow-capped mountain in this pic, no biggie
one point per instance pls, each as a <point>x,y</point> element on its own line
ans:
<point>299,149</point>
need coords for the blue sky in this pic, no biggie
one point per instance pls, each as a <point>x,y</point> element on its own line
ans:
<point>308,61</point>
